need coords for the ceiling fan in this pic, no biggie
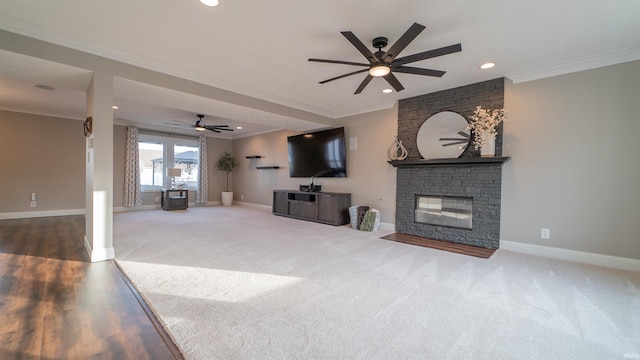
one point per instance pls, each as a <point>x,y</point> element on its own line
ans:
<point>385,63</point>
<point>201,126</point>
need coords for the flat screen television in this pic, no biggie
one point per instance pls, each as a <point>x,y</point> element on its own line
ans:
<point>318,154</point>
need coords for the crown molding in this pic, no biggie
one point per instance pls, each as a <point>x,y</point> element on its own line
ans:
<point>613,58</point>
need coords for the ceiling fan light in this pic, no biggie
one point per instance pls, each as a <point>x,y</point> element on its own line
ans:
<point>200,128</point>
<point>210,2</point>
<point>379,70</point>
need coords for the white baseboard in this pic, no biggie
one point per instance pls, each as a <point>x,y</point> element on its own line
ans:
<point>46,213</point>
<point>387,226</point>
<point>572,255</point>
<point>98,254</point>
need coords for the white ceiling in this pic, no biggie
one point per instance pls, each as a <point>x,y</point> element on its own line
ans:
<point>260,49</point>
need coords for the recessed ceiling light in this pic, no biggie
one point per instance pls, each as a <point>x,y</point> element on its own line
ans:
<point>210,2</point>
<point>115,107</point>
<point>239,127</point>
<point>488,65</point>
<point>44,87</point>
<point>386,91</point>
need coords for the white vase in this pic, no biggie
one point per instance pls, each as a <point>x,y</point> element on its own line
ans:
<point>227,198</point>
<point>397,151</point>
<point>488,149</point>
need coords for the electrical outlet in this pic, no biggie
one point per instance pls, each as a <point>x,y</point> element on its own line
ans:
<point>157,198</point>
<point>33,204</point>
<point>545,233</point>
<point>241,197</point>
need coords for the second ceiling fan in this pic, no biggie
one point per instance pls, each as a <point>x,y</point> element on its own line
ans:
<point>385,63</point>
<point>201,126</point>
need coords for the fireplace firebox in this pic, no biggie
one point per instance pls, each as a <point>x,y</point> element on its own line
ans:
<point>448,211</point>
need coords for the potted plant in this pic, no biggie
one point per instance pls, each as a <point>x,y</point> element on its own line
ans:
<point>226,163</point>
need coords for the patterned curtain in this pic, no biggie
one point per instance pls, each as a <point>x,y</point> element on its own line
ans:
<point>203,172</point>
<point>132,192</point>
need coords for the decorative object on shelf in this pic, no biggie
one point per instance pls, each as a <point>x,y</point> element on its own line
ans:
<point>443,135</point>
<point>483,123</point>
<point>397,151</point>
<point>226,163</point>
<point>88,126</point>
<point>173,173</point>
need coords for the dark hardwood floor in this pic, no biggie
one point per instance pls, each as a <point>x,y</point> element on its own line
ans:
<point>55,304</point>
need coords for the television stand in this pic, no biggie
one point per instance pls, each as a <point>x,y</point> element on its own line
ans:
<point>322,207</point>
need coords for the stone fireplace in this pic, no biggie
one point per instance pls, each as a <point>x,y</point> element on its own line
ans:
<point>456,200</point>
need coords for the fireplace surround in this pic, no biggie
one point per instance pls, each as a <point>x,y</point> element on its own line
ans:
<point>470,176</point>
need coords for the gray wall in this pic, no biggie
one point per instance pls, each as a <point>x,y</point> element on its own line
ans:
<point>370,180</point>
<point>44,155</point>
<point>574,165</point>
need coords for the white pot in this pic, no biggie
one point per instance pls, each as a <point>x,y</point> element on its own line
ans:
<point>488,149</point>
<point>227,198</point>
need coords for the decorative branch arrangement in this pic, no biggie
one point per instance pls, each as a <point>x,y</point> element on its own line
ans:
<point>484,123</point>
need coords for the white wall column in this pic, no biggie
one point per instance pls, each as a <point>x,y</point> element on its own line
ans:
<point>99,175</point>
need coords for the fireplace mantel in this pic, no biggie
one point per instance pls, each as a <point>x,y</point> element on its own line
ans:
<point>466,161</point>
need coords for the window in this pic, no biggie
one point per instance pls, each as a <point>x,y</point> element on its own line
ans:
<point>159,153</point>
<point>186,158</point>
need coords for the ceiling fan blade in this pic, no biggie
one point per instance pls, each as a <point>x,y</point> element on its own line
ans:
<point>345,75</point>
<point>429,54</point>
<point>418,71</point>
<point>215,128</point>
<point>363,84</point>
<point>338,62</point>
<point>394,82</point>
<point>463,134</point>
<point>360,46</point>
<point>402,43</point>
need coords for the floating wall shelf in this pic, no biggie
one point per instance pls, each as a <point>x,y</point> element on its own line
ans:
<point>253,157</point>
<point>267,167</point>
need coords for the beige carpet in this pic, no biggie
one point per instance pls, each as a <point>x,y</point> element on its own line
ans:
<point>240,283</point>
